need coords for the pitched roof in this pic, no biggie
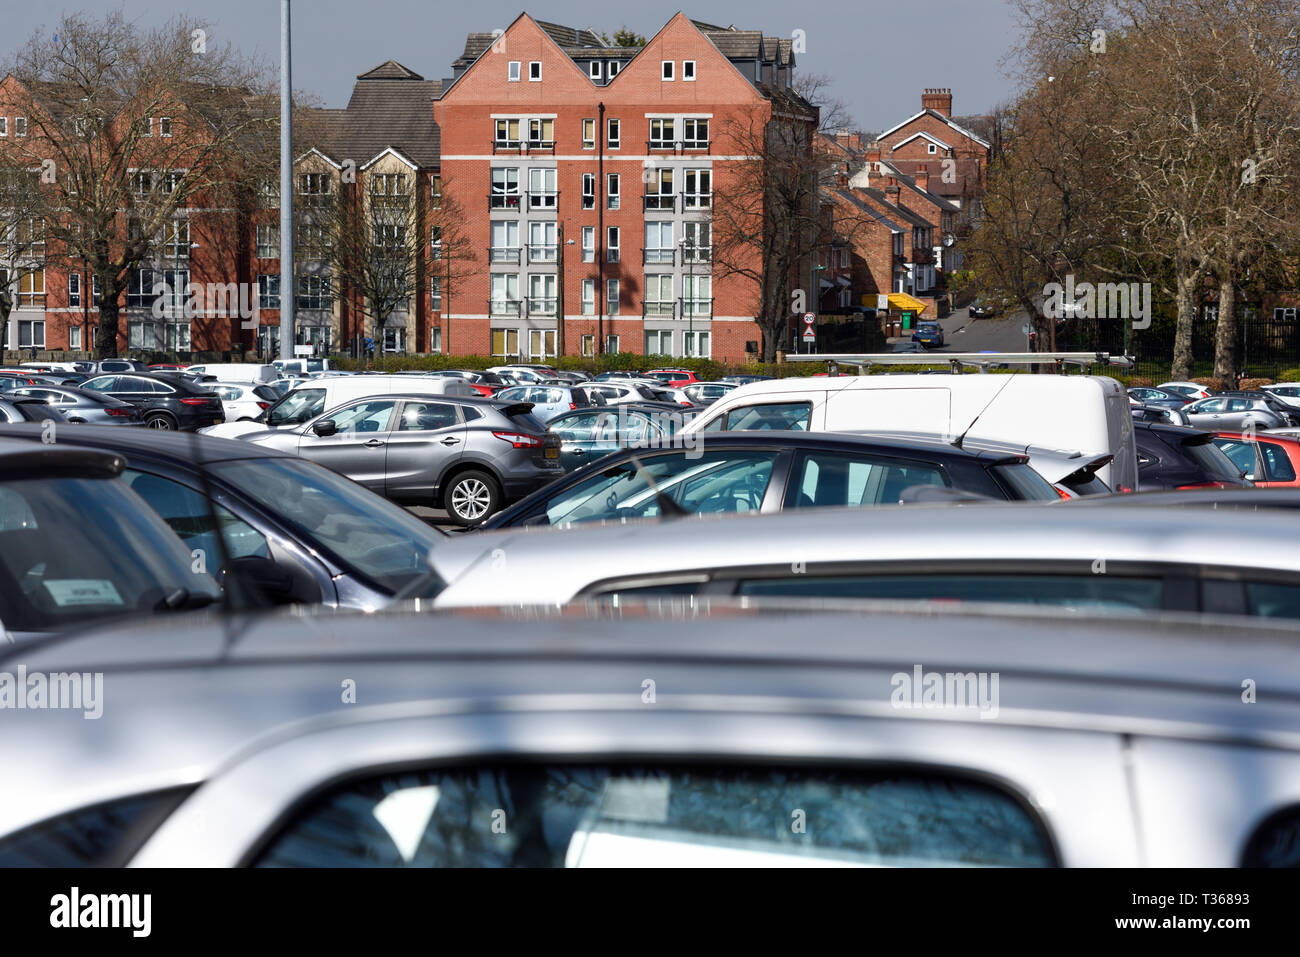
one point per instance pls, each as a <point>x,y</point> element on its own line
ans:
<point>848,196</point>
<point>389,70</point>
<point>896,209</point>
<point>942,119</point>
<point>391,108</point>
<point>967,173</point>
<point>910,183</point>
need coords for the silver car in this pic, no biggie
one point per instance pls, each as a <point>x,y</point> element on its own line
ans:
<point>1232,413</point>
<point>82,405</point>
<point>776,738</point>
<point>470,456</point>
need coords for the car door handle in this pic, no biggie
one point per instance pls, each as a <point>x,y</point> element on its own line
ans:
<point>451,440</point>
<point>577,451</point>
<point>374,443</point>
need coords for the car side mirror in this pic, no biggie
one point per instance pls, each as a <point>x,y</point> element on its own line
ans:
<point>325,428</point>
<point>271,582</point>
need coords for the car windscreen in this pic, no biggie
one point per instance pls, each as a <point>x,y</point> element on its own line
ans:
<point>528,422</point>
<point>73,549</point>
<point>1217,461</point>
<point>367,535</point>
<point>300,405</point>
<point>1024,483</point>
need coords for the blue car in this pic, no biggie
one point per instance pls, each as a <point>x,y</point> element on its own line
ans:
<point>928,334</point>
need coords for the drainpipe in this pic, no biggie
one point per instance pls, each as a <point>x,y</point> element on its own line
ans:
<point>600,230</point>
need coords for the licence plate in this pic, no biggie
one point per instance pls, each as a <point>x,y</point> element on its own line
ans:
<point>552,453</point>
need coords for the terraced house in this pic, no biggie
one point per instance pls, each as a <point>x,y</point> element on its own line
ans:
<point>588,175</point>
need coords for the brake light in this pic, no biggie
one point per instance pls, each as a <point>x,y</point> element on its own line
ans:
<point>194,401</point>
<point>263,406</point>
<point>1062,492</point>
<point>119,412</point>
<point>519,440</point>
<point>572,406</point>
<point>1208,485</point>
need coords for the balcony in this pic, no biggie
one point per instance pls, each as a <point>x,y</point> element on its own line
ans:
<point>542,252</point>
<point>660,202</point>
<point>697,254</point>
<point>678,147</point>
<point>504,254</point>
<point>545,200</point>
<point>541,305</point>
<point>507,201</point>
<point>696,308</point>
<point>697,201</point>
<point>523,147</point>
<point>662,310</point>
<point>504,307</point>
<point>659,257</point>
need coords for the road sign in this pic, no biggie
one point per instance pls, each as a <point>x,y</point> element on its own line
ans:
<point>810,334</point>
<point>809,318</point>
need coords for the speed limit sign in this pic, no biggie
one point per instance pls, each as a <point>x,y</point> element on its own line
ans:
<point>809,318</point>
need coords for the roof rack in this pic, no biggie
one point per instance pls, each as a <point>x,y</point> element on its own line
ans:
<point>958,360</point>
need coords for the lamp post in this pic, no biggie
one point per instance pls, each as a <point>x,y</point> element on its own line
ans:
<point>176,302</point>
<point>85,303</point>
<point>688,255</point>
<point>560,343</point>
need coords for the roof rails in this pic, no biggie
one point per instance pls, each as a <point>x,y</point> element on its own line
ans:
<point>980,360</point>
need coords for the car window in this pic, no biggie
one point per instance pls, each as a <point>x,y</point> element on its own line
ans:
<point>1024,483</point>
<point>1242,454</point>
<point>1277,464</point>
<point>427,416</point>
<point>579,815</point>
<point>191,517</point>
<point>777,416</point>
<point>300,405</point>
<point>56,397</point>
<point>1093,592</point>
<point>699,482</point>
<point>823,479</point>
<point>370,415</point>
<point>576,428</point>
<point>512,395</point>
<point>103,383</point>
<point>1239,405</point>
<point>132,383</point>
<point>102,835</point>
<point>556,397</point>
<point>1273,601</point>
<point>1210,405</point>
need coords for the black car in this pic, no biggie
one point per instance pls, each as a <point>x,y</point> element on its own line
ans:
<point>772,472</point>
<point>77,545</point>
<point>167,401</point>
<point>589,434</point>
<point>297,532</point>
<point>1172,456</point>
<point>981,309</point>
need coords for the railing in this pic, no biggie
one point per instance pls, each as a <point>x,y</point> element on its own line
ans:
<point>523,146</point>
<point>663,309</point>
<point>660,201</point>
<point>543,198</point>
<point>678,146</point>
<point>697,254</point>
<point>697,200</point>
<point>541,306</point>
<point>504,307</point>
<point>542,252</point>
<point>696,308</point>
<point>503,254</point>
<point>507,201</point>
<point>659,257</point>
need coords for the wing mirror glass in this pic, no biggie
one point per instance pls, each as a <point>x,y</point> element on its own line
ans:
<point>325,428</point>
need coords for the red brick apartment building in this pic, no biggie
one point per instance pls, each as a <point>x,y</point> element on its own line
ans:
<point>546,131</point>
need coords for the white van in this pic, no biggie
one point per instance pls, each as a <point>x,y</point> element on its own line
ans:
<point>1087,414</point>
<point>237,371</point>
<point>314,396</point>
<point>304,366</point>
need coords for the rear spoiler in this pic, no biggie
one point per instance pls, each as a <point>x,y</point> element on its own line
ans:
<point>517,408</point>
<point>1087,471</point>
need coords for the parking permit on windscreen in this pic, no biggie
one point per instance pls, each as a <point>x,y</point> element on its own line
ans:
<point>83,591</point>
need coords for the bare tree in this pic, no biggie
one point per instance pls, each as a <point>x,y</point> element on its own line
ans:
<point>134,127</point>
<point>23,250</point>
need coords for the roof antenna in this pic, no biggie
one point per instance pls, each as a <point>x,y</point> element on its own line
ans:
<point>956,443</point>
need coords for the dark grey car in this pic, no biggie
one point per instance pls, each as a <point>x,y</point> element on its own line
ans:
<point>470,456</point>
<point>83,405</point>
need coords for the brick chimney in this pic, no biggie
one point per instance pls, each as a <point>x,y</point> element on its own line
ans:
<point>872,151</point>
<point>923,176</point>
<point>891,190</point>
<point>938,99</point>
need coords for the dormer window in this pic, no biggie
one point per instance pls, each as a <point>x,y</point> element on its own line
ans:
<point>932,149</point>
<point>614,67</point>
<point>593,69</point>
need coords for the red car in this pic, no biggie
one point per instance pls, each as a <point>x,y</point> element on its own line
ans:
<point>1268,460</point>
<point>674,378</point>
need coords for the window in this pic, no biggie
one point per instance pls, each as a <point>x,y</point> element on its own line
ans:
<point>589,244</point>
<point>268,194</point>
<point>164,126</point>
<point>696,344</point>
<point>588,190</point>
<point>268,291</point>
<point>696,247</point>
<point>512,71</point>
<point>505,295</point>
<point>614,67</point>
<point>611,244</point>
<point>313,241</point>
<point>313,187</point>
<point>541,189</point>
<point>611,134</point>
<point>435,240</point>
<point>535,71</point>
<point>31,333</point>
<point>688,70</point>
<point>659,243</point>
<point>542,245</point>
<point>435,339</point>
<point>589,297</point>
<point>427,416</point>
<point>74,337</point>
<point>836,479</point>
<point>435,293</point>
<point>775,417</point>
<point>435,192</point>
<point>394,339</point>
<point>74,289</point>
<point>541,345</point>
<point>697,295</point>
<point>505,343</point>
<point>505,241</point>
<point>662,134</point>
<point>314,292</point>
<point>1285,314</point>
<point>699,189</point>
<point>931,149</point>
<point>659,295</point>
<point>505,188</point>
<point>611,190</point>
<point>541,294</point>
<point>507,133</point>
<point>4,126</point>
<point>695,134</point>
<point>611,297</point>
<point>666,69</point>
<point>142,183</point>
<point>170,180</point>
<point>31,292</point>
<point>541,133</point>
<point>268,242</point>
<point>20,126</point>
<point>658,342</point>
<point>387,188</point>
<point>588,134</point>
<point>588,346</point>
<point>593,69</point>
<point>659,189</point>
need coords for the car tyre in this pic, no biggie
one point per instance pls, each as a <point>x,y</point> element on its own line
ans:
<point>161,421</point>
<point>472,497</point>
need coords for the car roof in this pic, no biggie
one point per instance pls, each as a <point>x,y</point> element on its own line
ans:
<point>149,443</point>
<point>18,460</point>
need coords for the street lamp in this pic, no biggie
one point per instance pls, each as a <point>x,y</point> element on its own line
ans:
<point>176,273</point>
<point>688,254</point>
<point>560,243</point>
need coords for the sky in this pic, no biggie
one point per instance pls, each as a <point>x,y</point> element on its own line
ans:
<point>879,54</point>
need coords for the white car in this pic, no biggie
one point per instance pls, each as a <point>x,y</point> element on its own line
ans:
<point>1190,389</point>
<point>243,401</point>
<point>1288,393</point>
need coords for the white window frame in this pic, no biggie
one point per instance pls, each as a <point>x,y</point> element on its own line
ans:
<point>20,126</point>
<point>588,346</point>
<point>514,71</point>
<point>546,282</point>
<point>435,294</point>
<point>74,289</point>
<point>688,75</point>
<point>612,187</point>
<point>593,70</point>
<point>507,335</point>
<point>613,251</point>
<point>611,301</point>
<point>435,339</point>
<point>265,249</point>
<point>613,134</point>
<point>535,67</point>
<point>666,70</point>
<point>164,126</point>
<point>4,126</point>
<point>697,344</point>
<point>588,190</point>
<point>655,255</point>
<point>654,282</point>
<point>74,337</point>
<point>659,335</point>
<point>614,67</point>
<point>589,244</point>
<point>589,297</point>
<point>588,142</point>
